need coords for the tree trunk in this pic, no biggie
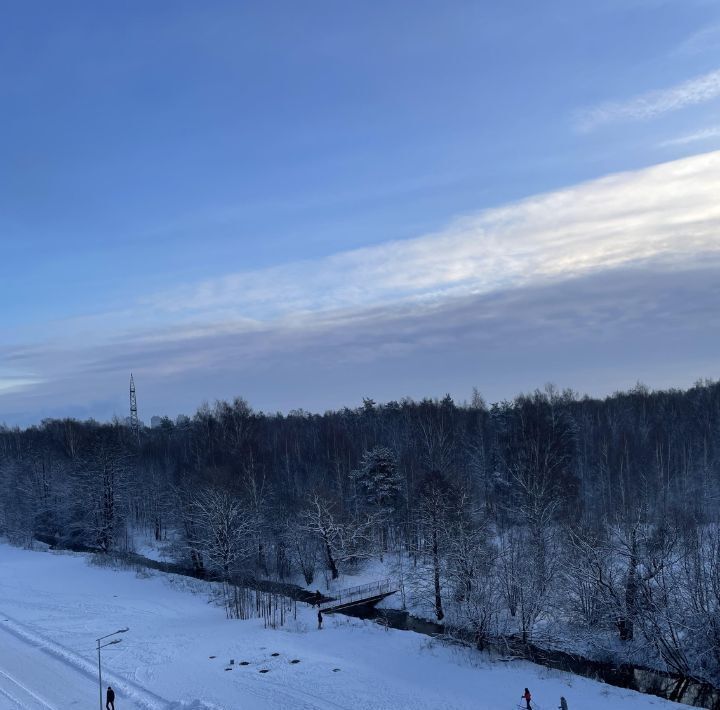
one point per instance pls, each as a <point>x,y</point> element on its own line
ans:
<point>436,575</point>
<point>331,561</point>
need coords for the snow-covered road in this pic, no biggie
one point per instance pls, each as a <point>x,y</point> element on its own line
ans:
<point>33,679</point>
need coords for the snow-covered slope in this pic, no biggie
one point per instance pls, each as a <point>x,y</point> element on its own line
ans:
<point>54,606</point>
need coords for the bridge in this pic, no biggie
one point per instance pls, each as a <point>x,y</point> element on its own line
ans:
<point>363,595</point>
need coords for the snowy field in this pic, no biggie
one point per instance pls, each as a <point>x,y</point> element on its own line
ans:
<point>54,606</point>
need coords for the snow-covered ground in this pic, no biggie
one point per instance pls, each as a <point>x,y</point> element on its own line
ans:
<point>53,607</point>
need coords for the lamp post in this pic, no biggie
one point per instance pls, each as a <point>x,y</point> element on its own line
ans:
<point>103,645</point>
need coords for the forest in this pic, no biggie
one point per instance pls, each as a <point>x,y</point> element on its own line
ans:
<point>590,525</point>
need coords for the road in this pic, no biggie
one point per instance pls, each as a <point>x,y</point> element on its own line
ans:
<point>32,679</point>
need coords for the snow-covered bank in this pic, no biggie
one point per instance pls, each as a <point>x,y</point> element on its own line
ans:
<point>57,604</point>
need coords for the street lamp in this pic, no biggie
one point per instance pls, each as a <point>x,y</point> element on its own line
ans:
<point>103,645</point>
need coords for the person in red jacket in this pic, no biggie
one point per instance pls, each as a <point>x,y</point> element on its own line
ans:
<point>527,697</point>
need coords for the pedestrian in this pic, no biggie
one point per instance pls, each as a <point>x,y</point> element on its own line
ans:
<point>110,704</point>
<point>319,619</point>
<point>563,704</point>
<point>317,599</point>
<point>527,697</point>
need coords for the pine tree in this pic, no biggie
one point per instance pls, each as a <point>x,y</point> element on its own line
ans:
<point>378,478</point>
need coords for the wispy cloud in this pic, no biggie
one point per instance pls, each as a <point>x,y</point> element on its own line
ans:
<point>595,333</point>
<point>668,211</point>
<point>572,265</point>
<point>704,40</point>
<point>696,137</point>
<point>651,104</point>
<point>14,383</point>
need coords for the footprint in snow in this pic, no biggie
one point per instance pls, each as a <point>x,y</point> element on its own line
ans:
<point>244,663</point>
<point>264,670</point>
<point>274,654</point>
<point>295,660</point>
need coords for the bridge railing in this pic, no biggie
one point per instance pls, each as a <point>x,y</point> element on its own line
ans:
<point>363,591</point>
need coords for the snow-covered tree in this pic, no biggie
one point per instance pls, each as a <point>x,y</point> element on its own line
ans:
<point>378,478</point>
<point>226,530</point>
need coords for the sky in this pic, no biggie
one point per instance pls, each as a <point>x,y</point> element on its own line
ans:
<point>305,204</point>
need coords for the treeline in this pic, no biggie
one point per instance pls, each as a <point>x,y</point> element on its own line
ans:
<point>569,521</point>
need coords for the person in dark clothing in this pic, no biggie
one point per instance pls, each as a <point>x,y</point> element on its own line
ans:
<point>317,598</point>
<point>527,697</point>
<point>319,619</point>
<point>110,704</point>
<point>563,704</point>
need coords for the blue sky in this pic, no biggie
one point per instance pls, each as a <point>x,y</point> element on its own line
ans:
<point>307,203</point>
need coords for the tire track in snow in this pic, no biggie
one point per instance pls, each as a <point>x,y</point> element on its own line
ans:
<point>12,699</point>
<point>35,700</point>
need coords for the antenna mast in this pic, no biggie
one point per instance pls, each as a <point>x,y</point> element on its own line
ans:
<point>133,409</point>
